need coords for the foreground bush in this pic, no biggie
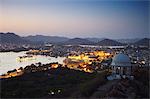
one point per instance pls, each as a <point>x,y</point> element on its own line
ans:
<point>87,89</point>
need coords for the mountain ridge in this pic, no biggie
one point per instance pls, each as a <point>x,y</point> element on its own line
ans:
<point>13,38</point>
<point>49,39</point>
<point>78,41</point>
<point>143,42</point>
<point>109,42</point>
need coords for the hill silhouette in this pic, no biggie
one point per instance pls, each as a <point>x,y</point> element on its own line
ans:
<point>109,42</point>
<point>143,42</point>
<point>78,41</point>
<point>12,38</point>
<point>48,39</point>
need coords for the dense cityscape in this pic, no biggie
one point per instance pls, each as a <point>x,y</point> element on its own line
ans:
<point>94,61</point>
<point>92,49</point>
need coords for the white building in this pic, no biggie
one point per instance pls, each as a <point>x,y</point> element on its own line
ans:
<point>121,67</point>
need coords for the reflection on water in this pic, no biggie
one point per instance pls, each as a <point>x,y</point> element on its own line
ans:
<point>8,60</point>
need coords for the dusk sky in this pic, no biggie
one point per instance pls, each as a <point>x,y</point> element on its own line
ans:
<point>76,18</point>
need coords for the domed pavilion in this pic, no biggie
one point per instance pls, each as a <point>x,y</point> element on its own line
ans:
<point>121,66</point>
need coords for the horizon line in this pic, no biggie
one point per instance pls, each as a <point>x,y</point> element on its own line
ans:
<point>72,37</point>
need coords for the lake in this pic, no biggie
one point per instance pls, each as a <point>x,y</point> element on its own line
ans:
<point>8,60</point>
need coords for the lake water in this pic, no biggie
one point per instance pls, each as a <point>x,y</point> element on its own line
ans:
<point>8,60</point>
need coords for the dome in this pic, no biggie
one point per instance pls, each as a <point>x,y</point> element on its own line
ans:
<point>121,60</point>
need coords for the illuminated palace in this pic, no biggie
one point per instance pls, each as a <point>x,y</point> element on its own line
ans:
<point>85,60</point>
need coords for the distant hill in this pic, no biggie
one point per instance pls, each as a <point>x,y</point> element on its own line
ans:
<point>109,42</point>
<point>78,41</point>
<point>40,39</point>
<point>12,38</point>
<point>48,39</point>
<point>143,42</point>
<point>95,39</point>
<point>128,41</point>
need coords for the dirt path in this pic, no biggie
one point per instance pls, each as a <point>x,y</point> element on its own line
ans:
<point>103,90</point>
